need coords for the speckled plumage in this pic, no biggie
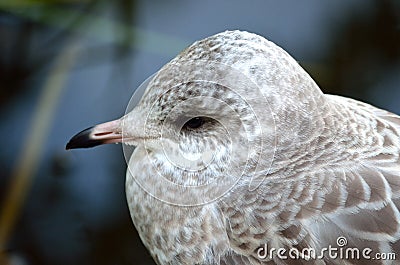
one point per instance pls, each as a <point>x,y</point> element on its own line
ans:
<point>335,169</point>
<point>323,166</point>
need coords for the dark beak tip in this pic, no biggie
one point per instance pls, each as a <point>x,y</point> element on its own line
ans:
<point>82,140</point>
<point>69,146</point>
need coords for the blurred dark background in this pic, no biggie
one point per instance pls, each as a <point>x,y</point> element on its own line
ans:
<point>67,65</point>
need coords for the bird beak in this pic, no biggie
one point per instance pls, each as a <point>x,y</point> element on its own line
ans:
<point>105,133</point>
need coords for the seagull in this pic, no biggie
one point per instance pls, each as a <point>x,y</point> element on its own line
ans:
<point>240,158</point>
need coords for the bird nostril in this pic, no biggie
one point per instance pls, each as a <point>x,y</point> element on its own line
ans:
<point>102,134</point>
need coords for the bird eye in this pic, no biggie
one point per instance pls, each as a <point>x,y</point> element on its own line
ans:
<point>194,123</point>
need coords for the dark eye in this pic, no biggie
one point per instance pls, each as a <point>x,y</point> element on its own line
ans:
<point>194,123</point>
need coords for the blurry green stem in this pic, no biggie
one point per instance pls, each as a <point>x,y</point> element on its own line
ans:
<point>32,148</point>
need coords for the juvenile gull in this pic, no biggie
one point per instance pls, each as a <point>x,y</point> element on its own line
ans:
<point>238,152</point>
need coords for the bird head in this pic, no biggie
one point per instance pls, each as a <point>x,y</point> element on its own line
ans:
<point>215,110</point>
